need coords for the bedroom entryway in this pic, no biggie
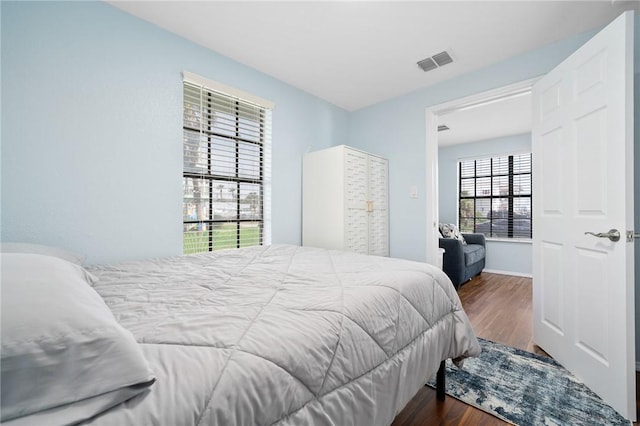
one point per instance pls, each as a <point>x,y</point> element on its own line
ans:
<point>583,286</point>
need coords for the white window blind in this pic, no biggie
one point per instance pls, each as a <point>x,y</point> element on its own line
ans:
<point>495,196</point>
<point>226,175</point>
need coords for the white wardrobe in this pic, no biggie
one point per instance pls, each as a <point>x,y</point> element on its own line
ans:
<point>345,203</point>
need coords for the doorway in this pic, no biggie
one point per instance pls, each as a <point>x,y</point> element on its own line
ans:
<point>459,110</point>
<point>484,167</point>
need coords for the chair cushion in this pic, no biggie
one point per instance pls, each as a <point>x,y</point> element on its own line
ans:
<point>473,253</point>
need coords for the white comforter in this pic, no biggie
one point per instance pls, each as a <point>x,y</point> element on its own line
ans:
<point>283,335</point>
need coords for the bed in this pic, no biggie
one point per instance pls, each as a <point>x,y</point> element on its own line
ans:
<point>273,335</point>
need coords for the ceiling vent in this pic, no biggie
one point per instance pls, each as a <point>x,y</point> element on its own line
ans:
<point>435,61</point>
<point>443,127</point>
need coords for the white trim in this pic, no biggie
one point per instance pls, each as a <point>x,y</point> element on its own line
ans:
<point>485,98</point>
<point>267,180</point>
<point>512,273</point>
<point>489,101</point>
<point>227,90</point>
<point>493,155</point>
<point>432,113</point>
<point>432,188</point>
<point>509,240</point>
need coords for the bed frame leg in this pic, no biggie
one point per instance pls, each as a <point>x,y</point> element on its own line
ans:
<point>440,381</point>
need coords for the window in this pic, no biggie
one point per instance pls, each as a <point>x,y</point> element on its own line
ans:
<point>495,196</point>
<point>226,168</point>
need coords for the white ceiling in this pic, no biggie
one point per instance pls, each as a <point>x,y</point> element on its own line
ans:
<point>510,116</point>
<point>358,53</point>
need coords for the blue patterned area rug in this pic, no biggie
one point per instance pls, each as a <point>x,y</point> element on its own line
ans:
<point>523,388</point>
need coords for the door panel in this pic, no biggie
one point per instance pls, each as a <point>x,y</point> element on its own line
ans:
<point>591,170</point>
<point>357,231</point>
<point>591,312</point>
<point>379,214</point>
<point>356,191</point>
<point>551,153</point>
<point>553,299</point>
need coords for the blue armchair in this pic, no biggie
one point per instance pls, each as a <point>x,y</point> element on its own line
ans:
<point>462,262</point>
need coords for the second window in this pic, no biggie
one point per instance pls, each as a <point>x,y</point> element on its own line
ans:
<point>495,196</point>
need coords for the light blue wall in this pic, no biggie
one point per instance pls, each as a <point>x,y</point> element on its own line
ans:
<point>92,130</point>
<point>396,129</point>
<point>510,257</point>
<point>505,256</point>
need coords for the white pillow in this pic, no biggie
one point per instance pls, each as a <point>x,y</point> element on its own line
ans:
<point>450,230</point>
<point>62,349</point>
<point>40,249</point>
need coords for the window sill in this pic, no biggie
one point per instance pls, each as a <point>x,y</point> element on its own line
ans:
<point>510,240</point>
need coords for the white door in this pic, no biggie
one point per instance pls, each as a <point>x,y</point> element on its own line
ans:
<point>583,285</point>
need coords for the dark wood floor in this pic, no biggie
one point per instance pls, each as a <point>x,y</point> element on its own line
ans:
<point>499,307</point>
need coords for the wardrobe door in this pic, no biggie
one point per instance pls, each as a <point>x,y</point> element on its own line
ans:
<point>355,192</point>
<point>378,178</point>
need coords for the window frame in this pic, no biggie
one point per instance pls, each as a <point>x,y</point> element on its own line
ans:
<point>209,133</point>
<point>511,196</point>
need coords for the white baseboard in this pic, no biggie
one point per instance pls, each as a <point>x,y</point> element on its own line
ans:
<point>515,274</point>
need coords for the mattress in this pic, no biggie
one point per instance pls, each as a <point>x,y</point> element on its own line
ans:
<point>282,335</point>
